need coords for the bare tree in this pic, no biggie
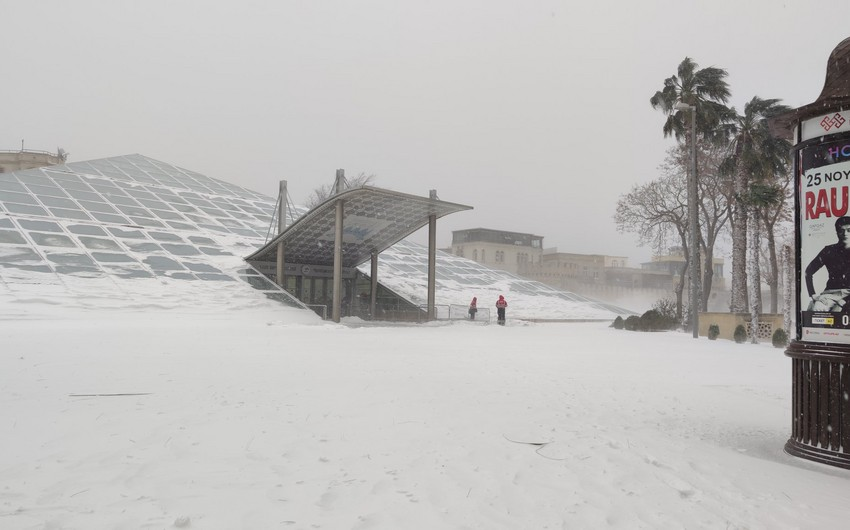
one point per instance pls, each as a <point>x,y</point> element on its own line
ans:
<point>657,212</point>
<point>714,209</point>
<point>772,217</point>
<point>323,193</point>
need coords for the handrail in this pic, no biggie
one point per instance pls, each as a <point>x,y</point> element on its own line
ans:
<point>29,151</point>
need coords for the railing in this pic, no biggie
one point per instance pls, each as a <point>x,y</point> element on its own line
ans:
<point>28,151</point>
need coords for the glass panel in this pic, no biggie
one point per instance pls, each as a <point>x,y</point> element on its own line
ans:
<point>14,256</point>
<point>120,199</point>
<point>201,240</point>
<point>179,276</point>
<point>52,191</point>
<point>127,271</point>
<point>133,211</point>
<point>213,228</point>
<point>168,215</point>
<point>105,257</point>
<point>56,202</point>
<point>140,194</point>
<point>80,272</point>
<point>104,189</point>
<point>84,195</point>
<point>19,198</point>
<point>70,214</point>
<point>209,251</point>
<point>97,243</point>
<point>77,260</point>
<point>165,236</point>
<point>29,178</point>
<point>109,218</point>
<point>185,208</point>
<point>12,237</point>
<point>200,267</point>
<point>76,186</point>
<point>129,234</point>
<point>26,209</point>
<point>180,250</point>
<point>181,226</point>
<point>5,222</point>
<point>41,226</point>
<point>170,199</point>
<point>156,205</point>
<point>206,276</point>
<point>87,230</point>
<point>143,247</point>
<point>98,207</point>
<point>161,263</point>
<point>52,240</point>
<point>215,212</point>
<point>12,186</point>
<point>147,222</point>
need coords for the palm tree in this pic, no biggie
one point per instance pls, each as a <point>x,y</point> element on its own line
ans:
<point>707,90</point>
<point>755,158</point>
<point>704,88</point>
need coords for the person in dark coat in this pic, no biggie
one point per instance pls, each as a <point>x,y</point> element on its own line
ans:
<point>473,308</point>
<point>501,304</point>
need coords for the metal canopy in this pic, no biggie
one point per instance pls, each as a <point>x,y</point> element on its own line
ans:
<point>374,220</point>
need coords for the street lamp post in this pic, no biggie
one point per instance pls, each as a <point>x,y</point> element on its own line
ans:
<point>693,220</point>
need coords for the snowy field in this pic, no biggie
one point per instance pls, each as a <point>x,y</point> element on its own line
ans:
<point>265,417</point>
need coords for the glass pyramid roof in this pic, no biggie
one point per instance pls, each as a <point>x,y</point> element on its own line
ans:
<point>119,221</point>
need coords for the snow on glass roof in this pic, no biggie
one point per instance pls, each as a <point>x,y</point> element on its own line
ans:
<point>130,226</point>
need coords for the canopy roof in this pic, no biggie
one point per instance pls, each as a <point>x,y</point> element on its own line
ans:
<point>834,96</point>
<point>374,219</point>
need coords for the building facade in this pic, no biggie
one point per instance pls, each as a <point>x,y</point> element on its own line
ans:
<point>514,252</point>
<point>20,160</point>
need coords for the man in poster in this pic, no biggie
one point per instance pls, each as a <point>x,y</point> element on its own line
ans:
<point>836,259</point>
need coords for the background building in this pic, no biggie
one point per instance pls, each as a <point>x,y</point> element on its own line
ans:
<point>598,276</point>
<point>514,252</point>
<point>19,160</point>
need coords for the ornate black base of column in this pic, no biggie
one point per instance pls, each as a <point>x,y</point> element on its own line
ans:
<point>820,406</point>
<point>816,454</point>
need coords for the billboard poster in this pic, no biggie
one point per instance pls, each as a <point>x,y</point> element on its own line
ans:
<point>825,241</point>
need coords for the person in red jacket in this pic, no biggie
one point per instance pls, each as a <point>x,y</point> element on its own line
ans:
<point>473,308</point>
<point>501,304</point>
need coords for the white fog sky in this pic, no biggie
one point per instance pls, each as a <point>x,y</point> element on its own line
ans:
<point>534,112</point>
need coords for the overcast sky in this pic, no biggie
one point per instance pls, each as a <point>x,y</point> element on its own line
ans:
<point>536,113</point>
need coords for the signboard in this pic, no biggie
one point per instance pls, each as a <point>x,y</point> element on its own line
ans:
<point>832,123</point>
<point>824,229</point>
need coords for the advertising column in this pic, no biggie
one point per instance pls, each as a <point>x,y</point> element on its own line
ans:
<point>823,182</point>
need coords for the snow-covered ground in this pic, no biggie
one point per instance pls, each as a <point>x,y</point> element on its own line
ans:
<point>259,416</point>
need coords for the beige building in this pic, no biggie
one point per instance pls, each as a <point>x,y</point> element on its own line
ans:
<point>599,276</point>
<point>513,252</point>
<point>672,264</point>
<point>19,160</point>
